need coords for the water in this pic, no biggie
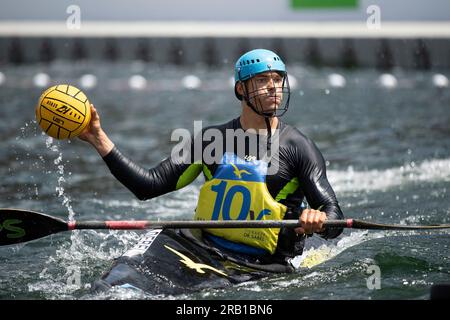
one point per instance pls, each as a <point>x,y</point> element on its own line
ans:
<point>387,152</point>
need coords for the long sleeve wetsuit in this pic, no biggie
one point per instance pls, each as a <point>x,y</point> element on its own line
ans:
<point>301,175</point>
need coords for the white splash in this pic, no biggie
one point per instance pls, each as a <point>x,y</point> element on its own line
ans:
<point>61,179</point>
<point>316,256</point>
<point>351,180</point>
<point>68,270</point>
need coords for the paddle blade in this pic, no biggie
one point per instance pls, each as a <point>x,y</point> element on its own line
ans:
<point>18,226</point>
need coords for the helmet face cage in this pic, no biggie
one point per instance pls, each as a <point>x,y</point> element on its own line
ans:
<point>253,98</point>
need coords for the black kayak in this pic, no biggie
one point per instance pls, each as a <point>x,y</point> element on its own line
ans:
<point>180,261</point>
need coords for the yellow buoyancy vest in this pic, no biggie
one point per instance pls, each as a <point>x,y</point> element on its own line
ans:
<point>238,191</point>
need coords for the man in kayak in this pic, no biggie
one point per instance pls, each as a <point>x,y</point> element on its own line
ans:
<point>245,183</point>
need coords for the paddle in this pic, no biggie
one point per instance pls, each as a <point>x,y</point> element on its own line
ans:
<point>18,226</point>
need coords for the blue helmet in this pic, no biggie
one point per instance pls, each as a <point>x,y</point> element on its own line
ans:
<point>253,63</point>
<point>257,61</point>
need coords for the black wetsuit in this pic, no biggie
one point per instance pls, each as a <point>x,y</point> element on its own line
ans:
<point>301,175</point>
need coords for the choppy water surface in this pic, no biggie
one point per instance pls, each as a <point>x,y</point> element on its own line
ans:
<point>387,151</point>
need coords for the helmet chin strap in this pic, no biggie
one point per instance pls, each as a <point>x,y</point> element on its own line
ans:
<point>269,134</point>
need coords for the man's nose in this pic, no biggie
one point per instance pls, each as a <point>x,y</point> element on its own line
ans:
<point>271,84</point>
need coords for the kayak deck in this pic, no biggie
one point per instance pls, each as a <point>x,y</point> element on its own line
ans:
<point>166,262</point>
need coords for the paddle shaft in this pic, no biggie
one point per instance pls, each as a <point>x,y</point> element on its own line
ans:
<point>146,224</point>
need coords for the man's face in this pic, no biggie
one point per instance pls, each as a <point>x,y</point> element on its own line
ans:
<point>265,90</point>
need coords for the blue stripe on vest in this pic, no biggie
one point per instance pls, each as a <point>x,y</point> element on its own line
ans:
<point>236,247</point>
